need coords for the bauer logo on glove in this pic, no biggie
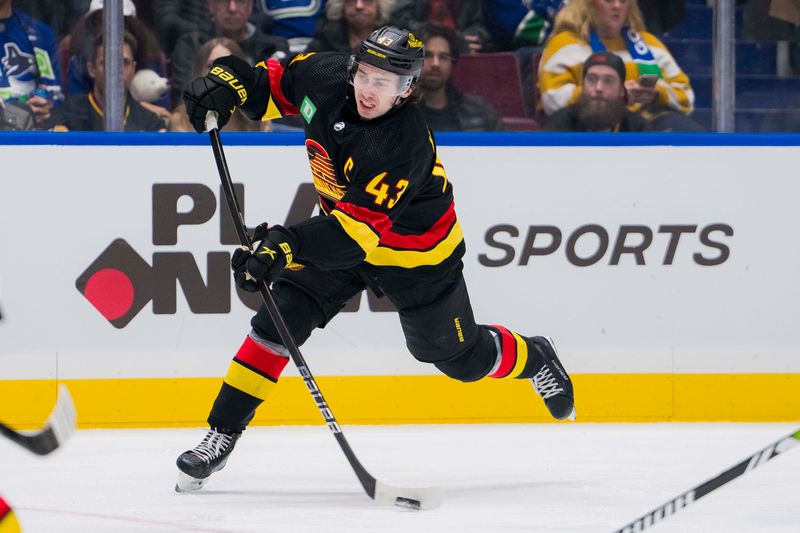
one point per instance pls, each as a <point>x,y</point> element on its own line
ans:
<point>273,249</point>
<point>222,90</point>
<point>230,79</point>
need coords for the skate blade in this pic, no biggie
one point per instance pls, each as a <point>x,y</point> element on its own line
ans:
<point>187,483</point>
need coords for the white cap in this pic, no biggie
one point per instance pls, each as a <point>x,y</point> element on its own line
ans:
<point>128,7</point>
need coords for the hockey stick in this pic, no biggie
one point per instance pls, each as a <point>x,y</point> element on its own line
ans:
<point>682,501</point>
<point>413,498</point>
<point>56,431</point>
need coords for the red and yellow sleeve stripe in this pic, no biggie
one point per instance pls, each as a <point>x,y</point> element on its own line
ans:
<point>278,105</point>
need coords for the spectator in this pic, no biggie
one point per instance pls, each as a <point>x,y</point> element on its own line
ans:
<point>294,20</point>
<point>80,45</point>
<point>175,18</point>
<point>655,84</point>
<point>516,23</point>
<point>84,112</point>
<point>29,70</point>
<point>464,16</point>
<point>208,53</point>
<point>601,106</point>
<point>348,23</point>
<point>445,107</point>
<point>230,19</point>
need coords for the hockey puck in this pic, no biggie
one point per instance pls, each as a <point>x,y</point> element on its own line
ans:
<point>407,503</point>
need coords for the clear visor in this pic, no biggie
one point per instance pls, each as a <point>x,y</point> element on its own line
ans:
<point>366,77</point>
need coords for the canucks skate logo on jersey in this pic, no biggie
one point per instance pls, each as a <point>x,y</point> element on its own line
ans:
<point>16,63</point>
<point>323,172</point>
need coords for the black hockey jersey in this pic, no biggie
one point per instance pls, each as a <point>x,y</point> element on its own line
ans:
<point>383,193</point>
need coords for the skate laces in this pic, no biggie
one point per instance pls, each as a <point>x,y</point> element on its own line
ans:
<point>212,446</point>
<point>544,382</point>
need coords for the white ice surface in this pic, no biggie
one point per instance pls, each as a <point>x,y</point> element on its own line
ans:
<point>497,478</point>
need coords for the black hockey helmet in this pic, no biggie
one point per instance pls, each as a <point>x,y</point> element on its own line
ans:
<point>393,49</point>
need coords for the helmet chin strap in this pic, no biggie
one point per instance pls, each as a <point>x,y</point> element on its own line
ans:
<point>400,100</point>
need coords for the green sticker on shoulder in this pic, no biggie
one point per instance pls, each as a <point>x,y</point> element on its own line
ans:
<point>307,109</point>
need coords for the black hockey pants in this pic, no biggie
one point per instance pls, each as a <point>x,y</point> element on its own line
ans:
<point>434,309</point>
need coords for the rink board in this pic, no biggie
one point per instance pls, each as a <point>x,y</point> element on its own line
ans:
<point>666,273</point>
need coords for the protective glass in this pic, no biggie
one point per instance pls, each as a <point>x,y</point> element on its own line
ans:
<point>379,81</point>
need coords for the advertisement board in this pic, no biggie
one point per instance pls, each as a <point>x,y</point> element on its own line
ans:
<point>654,267</point>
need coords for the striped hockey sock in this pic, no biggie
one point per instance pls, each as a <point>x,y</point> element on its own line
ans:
<point>255,369</point>
<point>516,357</point>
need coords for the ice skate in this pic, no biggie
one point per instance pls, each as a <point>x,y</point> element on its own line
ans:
<point>197,464</point>
<point>552,382</point>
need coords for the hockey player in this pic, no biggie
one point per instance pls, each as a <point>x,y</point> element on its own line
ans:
<point>387,221</point>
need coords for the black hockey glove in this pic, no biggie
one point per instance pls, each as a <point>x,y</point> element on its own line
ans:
<point>274,248</point>
<point>224,87</point>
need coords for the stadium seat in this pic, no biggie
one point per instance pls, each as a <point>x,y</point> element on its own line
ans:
<point>495,78</point>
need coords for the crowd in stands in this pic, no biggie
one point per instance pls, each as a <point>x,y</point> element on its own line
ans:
<point>583,65</point>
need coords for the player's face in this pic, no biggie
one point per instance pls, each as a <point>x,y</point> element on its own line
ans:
<point>376,90</point>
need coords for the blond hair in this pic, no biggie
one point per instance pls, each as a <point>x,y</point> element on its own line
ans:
<point>578,17</point>
<point>335,10</point>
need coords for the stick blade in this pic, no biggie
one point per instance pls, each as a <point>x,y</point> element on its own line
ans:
<point>57,429</point>
<point>63,418</point>
<point>423,499</point>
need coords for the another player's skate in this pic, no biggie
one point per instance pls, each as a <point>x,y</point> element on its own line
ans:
<point>551,381</point>
<point>197,464</point>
